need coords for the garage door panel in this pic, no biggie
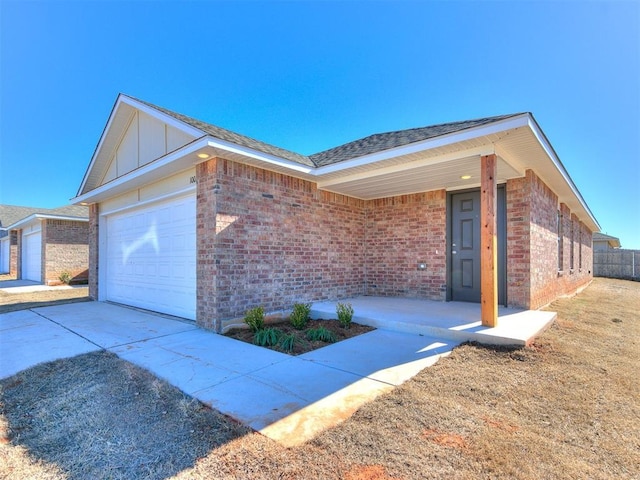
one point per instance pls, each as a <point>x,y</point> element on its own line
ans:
<point>151,257</point>
<point>4,253</point>
<point>32,257</point>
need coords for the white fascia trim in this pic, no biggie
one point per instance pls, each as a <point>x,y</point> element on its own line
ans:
<point>144,170</point>
<point>497,127</point>
<point>43,216</point>
<point>470,152</point>
<point>258,155</point>
<point>544,143</point>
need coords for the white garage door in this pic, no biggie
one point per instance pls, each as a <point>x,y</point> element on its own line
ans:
<point>4,255</point>
<point>151,257</point>
<point>32,257</point>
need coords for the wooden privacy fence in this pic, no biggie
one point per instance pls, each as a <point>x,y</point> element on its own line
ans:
<point>617,263</point>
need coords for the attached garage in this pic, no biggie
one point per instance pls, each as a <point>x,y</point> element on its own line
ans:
<point>150,257</point>
<point>32,256</point>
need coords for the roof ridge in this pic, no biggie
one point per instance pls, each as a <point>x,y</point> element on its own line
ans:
<point>372,143</point>
<point>387,140</point>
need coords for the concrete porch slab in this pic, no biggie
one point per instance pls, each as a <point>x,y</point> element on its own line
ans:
<point>457,321</point>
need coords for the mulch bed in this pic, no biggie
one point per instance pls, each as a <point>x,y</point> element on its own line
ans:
<point>302,345</point>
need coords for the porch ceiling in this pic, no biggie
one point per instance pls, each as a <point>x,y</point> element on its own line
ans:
<point>422,176</point>
<point>440,167</point>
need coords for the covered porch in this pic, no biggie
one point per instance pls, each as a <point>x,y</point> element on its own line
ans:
<point>460,321</point>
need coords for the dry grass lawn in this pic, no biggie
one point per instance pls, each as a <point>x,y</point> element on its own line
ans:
<point>568,407</point>
<point>10,302</point>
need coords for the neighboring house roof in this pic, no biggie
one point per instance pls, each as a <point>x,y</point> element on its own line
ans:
<point>12,216</point>
<point>613,242</point>
<point>377,166</point>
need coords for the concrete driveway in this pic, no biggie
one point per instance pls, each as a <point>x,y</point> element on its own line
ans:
<point>289,399</point>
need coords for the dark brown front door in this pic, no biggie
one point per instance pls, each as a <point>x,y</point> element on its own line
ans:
<point>464,247</point>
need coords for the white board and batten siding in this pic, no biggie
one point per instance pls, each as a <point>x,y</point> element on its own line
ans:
<point>32,252</point>
<point>146,139</point>
<point>148,247</point>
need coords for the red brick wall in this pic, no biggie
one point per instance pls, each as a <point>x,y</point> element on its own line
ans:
<point>517,194</point>
<point>401,232</point>
<point>13,253</point>
<point>533,277</point>
<point>544,243</point>
<point>267,239</point>
<point>65,246</point>
<point>18,254</point>
<point>93,228</point>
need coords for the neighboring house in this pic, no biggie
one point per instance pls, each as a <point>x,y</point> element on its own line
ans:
<point>604,242</point>
<point>193,220</point>
<point>40,244</point>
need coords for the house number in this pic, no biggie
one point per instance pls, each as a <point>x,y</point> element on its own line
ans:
<point>193,180</point>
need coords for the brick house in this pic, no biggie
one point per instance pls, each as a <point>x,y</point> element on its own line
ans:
<point>40,244</point>
<point>193,220</point>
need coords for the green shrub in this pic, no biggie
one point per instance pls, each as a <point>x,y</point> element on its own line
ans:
<point>287,342</point>
<point>65,277</point>
<point>300,315</point>
<point>267,337</point>
<point>321,334</point>
<point>254,318</point>
<point>345,314</point>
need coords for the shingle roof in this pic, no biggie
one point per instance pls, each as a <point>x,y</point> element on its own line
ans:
<point>10,214</point>
<point>385,141</point>
<point>233,137</point>
<point>364,146</point>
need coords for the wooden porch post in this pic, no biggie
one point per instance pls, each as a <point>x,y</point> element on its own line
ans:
<point>488,241</point>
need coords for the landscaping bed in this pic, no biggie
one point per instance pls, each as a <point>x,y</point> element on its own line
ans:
<point>302,344</point>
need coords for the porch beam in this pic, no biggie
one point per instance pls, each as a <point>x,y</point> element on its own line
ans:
<point>488,240</point>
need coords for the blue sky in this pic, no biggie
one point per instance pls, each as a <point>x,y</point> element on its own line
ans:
<point>307,76</point>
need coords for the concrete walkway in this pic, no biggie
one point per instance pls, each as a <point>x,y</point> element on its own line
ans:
<point>26,286</point>
<point>289,399</point>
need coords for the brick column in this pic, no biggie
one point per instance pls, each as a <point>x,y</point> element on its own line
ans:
<point>13,253</point>
<point>206,210</point>
<point>18,254</point>
<point>94,240</point>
